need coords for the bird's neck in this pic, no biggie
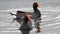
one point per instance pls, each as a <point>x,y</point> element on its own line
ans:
<point>35,8</point>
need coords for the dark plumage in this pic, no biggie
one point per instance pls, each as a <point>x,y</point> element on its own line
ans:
<point>36,14</point>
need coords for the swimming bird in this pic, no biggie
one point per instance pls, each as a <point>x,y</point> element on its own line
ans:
<point>35,15</point>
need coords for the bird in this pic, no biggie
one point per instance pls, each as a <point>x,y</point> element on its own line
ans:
<point>35,15</point>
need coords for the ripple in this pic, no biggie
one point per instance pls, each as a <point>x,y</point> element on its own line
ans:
<point>47,16</point>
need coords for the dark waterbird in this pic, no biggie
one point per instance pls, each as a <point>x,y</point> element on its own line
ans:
<point>35,15</point>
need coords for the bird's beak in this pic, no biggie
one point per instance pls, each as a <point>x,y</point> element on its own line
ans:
<point>38,4</point>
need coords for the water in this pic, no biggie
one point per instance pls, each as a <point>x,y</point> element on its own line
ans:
<point>50,11</point>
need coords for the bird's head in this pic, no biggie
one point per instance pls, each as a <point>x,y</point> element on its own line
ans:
<point>36,4</point>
